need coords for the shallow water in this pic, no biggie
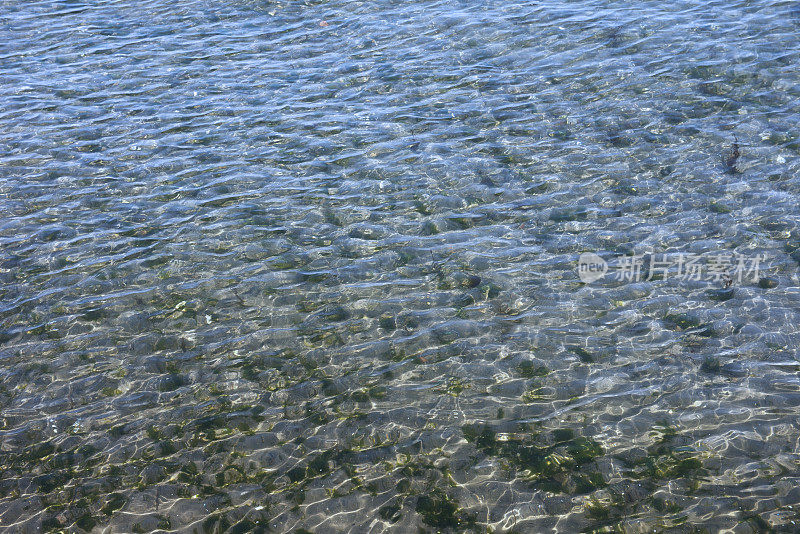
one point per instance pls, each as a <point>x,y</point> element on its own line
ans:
<point>313,265</point>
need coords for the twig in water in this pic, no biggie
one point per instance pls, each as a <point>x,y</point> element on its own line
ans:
<point>732,158</point>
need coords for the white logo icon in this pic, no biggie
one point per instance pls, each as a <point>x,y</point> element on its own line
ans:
<point>591,267</point>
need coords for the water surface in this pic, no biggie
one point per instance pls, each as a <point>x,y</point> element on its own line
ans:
<point>313,265</point>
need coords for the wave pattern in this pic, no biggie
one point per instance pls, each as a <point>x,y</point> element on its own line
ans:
<point>312,265</point>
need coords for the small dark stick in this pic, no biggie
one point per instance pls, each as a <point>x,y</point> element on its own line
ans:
<point>415,144</point>
<point>730,160</point>
<point>728,280</point>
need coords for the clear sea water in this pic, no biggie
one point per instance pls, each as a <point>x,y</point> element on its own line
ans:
<point>309,266</point>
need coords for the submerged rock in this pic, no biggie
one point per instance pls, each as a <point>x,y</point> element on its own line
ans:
<point>767,282</point>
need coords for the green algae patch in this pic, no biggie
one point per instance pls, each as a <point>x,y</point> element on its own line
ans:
<point>86,522</point>
<point>667,460</point>
<point>529,369</point>
<point>390,513</point>
<point>115,501</point>
<point>560,462</point>
<point>584,355</point>
<point>710,366</point>
<point>439,511</point>
<point>584,450</point>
